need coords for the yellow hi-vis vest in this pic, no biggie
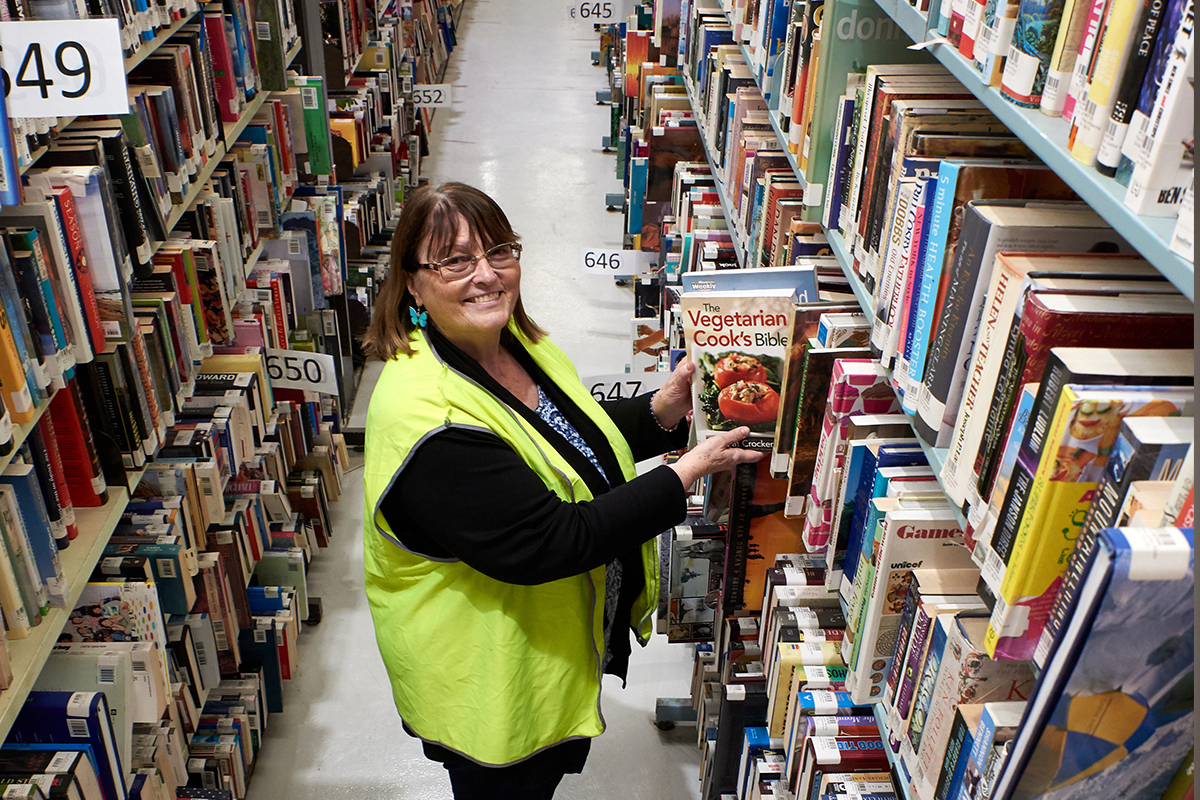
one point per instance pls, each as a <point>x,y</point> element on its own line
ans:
<point>491,670</point>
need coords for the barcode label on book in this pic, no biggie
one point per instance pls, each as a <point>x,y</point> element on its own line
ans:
<point>1157,554</point>
<point>219,634</point>
<point>201,654</point>
<point>264,218</point>
<point>106,676</point>
<point>62,762</point>
<point>992,570</point>
<point>309,99</point>
<point>263,31</point>
<point>294,246</point>
<point>166,569</point>
<point>826,750</point>
<point>77,728</point>
<point>260,637</point>
<point>140,666</point>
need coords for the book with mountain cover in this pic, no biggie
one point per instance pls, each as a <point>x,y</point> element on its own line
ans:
<point>1119,678</point>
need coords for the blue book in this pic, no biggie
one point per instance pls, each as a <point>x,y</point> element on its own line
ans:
<point>266,600</point>
<point>1113,711</point>
<point>260,651</point>
<point>869,487</point>
<point>931,274</point>
<point>27,496</point>
<point>10,178</point>
<point>638,170</point>
<point>36,377</point>
<point>755,742</point>
<point>841,154</point>
<point>65,719</point>
<point>924,691</point>
<point>174,584</point>
<point>928,191</point>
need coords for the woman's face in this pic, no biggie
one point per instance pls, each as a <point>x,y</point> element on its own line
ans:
<point>472,309</point>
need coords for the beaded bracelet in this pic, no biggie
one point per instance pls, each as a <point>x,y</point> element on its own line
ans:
<point>655,417</point>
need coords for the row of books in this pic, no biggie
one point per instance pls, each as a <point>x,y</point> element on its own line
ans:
<point>1117,72</point>
<point>771,45</point>
<point>861,500</point>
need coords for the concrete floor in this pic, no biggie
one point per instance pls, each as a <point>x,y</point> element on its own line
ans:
<point>525,128</point>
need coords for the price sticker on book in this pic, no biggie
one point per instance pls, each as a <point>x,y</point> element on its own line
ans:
<point>609,261</point>
<point>625,384</point>
<point>296,369</point>
<point>431,95</point>
<point>51,69</point>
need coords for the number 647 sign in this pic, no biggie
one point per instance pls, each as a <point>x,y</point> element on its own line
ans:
<point>296,369</point>
<point>52,69</point>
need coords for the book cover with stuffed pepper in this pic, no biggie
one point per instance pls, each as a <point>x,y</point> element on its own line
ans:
<point>738,341</point>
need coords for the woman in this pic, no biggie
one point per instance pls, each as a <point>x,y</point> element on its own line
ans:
<point>508,544</point>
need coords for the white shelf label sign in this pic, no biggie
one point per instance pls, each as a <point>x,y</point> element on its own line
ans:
<point>52,69</point>
<point>594,12</point>
<point>296,369</point>
<point>624,384</point>
<point>610,261</point>
<point>431,95</point>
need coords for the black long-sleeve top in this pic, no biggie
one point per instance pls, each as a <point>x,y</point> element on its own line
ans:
<point>497,516</point>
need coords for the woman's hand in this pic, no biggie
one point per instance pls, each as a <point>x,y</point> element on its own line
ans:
<point>715,454</point>
<point>672,402</point>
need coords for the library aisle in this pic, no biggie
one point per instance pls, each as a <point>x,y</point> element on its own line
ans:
<point>525,128</point>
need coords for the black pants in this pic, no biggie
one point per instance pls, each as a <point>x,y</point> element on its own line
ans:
<point>535,778</point>
<point>476,784</point>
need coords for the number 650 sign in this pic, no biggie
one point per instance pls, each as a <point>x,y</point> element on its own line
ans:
<point>54,69</point>
<point>296,369</point>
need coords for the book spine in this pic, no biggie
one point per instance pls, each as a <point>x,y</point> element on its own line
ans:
<point>927,313</point>
<point>1062,58</point>
<point>1158,181</point>
<point>48,490</point>
<point>1108,157</point>
<point>29,581</point>
<point>1081,72</point>
<point>952,331</point>
<point>1112,55</point>
<point>50,439</point>
<point>1024,77</point>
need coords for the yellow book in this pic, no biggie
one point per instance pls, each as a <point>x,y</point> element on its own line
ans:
<point>790,657</point>
<point>1077,446</point>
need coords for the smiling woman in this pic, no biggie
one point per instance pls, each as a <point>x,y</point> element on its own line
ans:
<point>509,544</point>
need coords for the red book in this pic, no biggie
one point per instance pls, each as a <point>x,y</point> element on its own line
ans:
<point>838,754</point>
<point>222,65</point>
<point>50,441</point>
<point>81,464</point>
<point>1051,320</point>
<point>83,276</point>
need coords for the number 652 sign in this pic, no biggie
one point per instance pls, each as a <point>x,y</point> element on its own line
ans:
<point>296,369</point>
<point>54,69</point>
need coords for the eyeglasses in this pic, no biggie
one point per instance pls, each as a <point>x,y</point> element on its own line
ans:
<point>455,268</point>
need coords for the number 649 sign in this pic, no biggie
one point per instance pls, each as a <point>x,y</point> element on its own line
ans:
<point>296,369</point>
<point>52,69</point>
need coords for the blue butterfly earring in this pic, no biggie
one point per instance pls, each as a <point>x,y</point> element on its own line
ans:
<point>420,319</point>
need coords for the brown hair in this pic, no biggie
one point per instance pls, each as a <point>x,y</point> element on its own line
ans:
<point>431,215</point>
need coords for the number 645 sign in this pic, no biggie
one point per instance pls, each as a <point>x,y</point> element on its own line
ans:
<point>296,369</point>
<point>52,69</point>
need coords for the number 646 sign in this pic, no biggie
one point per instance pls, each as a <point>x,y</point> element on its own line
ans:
<point>52,69</point>
<point>296,369</point>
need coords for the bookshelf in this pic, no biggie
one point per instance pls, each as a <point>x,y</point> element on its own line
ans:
<point>1044,135</point>
<point>739,246</point>
<point>95,527</point>
<point>21,430</point>
<point>149,47</point>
